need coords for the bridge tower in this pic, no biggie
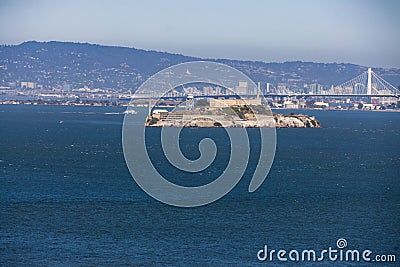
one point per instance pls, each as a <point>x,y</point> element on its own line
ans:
<point>369,82</point>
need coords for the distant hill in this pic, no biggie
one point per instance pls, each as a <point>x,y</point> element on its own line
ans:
<point>122,68</point>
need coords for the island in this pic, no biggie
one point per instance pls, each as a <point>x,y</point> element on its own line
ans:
<point>243,116</point>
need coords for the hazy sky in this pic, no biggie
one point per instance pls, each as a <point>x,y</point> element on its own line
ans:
<point>365,32</point>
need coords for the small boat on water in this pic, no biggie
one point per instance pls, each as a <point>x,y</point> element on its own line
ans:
<point>130,111</point>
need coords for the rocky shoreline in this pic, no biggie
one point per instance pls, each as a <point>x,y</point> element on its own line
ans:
<point>295,121</point>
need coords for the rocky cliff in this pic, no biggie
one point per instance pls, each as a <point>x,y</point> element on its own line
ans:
<point>295,121</point>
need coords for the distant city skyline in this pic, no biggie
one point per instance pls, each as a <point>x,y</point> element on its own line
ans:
<point>354,31</point>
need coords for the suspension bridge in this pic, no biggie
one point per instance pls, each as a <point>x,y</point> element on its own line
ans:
<point>367,84</point>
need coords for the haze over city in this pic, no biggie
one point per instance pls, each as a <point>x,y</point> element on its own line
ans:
<point>359,32</point>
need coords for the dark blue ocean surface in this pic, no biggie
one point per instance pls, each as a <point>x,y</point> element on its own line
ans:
<point>67,197</point>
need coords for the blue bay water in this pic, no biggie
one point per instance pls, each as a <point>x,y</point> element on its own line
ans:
<point>67,197</point>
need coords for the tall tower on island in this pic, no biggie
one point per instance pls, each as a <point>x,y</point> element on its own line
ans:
<point>190,102</point>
